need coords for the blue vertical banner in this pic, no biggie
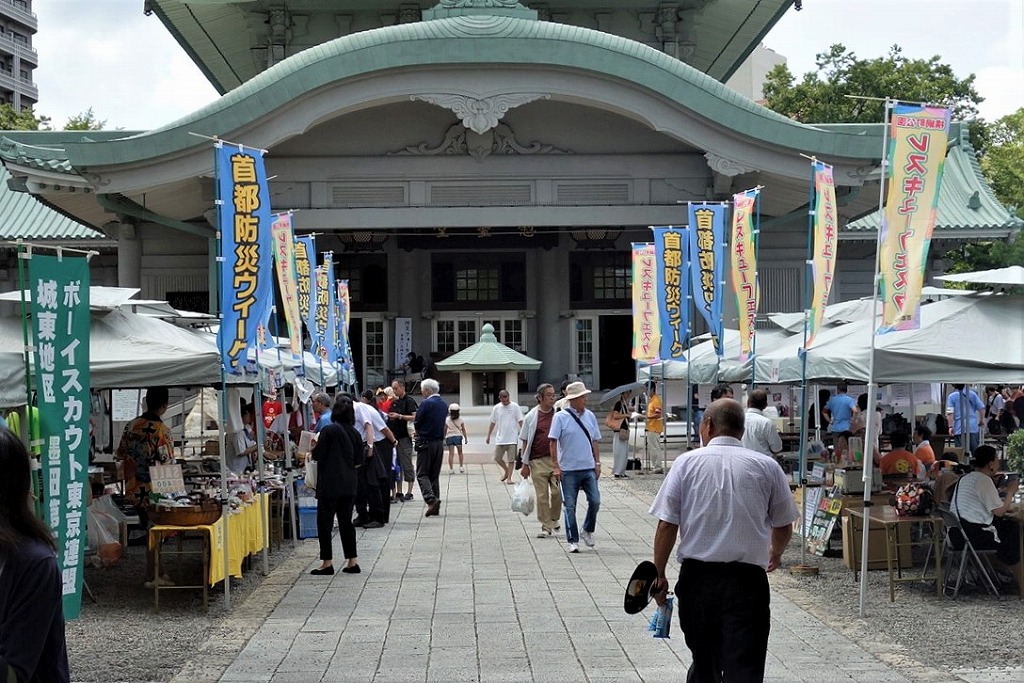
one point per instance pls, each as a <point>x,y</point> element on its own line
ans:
<point>247,271</point>
<point>324,330</point>
<point>305,269</point>
<point>60,326</point>
<point>348,368</point>
<point>707,253</point>
<point>670,247</point>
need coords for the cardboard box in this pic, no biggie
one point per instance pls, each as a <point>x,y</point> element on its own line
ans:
<point>852,544</point>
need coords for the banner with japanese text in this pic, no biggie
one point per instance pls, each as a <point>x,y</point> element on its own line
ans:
<point>287,277</point>
<point>823,254</point>
<point>707,250</point>
<point>670,251</point>
<point>917,155</point>
<point>324,331</point>
<point>305,270</point>
<point>348,371</point>
<point>646,331</point>
<point>743,273</point>
<point>60,325</point>
<point>247,287</point>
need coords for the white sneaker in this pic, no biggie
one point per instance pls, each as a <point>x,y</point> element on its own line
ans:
<point>573,548</point>
<point>587,538</point>
<point>544,533</point>
<point>462,471</point>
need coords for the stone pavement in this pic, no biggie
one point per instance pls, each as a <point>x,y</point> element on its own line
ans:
<point>473,596</point>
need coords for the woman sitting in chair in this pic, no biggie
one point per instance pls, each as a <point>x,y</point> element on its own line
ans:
<point>975,500</point>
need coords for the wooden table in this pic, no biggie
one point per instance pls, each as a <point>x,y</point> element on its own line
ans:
<point>887,517</point>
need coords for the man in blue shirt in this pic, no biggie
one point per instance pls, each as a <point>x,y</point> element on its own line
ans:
<point>321,403</point>
<point>964,408</point>
<point>576,462</point>
<point>840,409</point>
<point>429,423</point>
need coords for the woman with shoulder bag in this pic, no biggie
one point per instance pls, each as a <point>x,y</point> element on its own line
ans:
<point>618,421</point>
<point>338,453</point>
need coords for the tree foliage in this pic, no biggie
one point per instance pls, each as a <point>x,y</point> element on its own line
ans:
<point>86,120</point>
<point>1003,161</point>
<point>821,97</point>
<point>12,119</point>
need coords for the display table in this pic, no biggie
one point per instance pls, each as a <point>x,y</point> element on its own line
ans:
<point>896,541</point>
<point>246,536</point>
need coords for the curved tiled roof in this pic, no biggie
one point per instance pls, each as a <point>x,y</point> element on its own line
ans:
<point>966,201</point>
<point>477,40</point>
<point>22,216</point>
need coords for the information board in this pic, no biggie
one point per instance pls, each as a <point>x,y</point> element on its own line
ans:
<point>167,479</point>
<point>124,404</point>
<point>830,505</point>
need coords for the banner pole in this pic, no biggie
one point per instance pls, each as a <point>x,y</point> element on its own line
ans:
<point>25,254</point>
<point>872,390</point>
<point>225,509</point>
<point>808,277</point>
<point>757,288</point>
<point>261,442</point>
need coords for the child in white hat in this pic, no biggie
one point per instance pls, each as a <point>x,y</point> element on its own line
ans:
<point>454,436</point>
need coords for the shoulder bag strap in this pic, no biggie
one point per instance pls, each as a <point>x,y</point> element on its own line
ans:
<point>580,423</point>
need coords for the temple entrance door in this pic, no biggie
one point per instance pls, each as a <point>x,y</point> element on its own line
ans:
<point>615,362</point>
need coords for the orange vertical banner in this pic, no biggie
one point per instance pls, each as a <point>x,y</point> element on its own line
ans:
<point>917,155</point>
<point>743,258</point>
<point>823,258</point>
<point>646,332</point>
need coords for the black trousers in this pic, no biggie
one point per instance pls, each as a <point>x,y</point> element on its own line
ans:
<point>428,470</point>
<point>326,510</point>
<point>1007,548</point>
<point>369,506</point>
<point>725,616</point>
<point>382,450</point>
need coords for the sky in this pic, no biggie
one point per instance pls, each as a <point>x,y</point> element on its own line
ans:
<point>107,55</point>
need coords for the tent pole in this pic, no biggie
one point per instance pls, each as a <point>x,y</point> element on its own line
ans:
<point>869,435</point>
<point>224,486</point>
<point>261,441</point>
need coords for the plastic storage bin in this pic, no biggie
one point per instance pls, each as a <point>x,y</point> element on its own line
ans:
<point>307,522</point>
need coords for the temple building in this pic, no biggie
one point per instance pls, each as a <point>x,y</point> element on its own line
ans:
<point>480,161</point>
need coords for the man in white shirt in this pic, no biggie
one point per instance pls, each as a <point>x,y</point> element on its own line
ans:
<point>759,432</point>
<point>372,498</point>
<point>506,419</point>
<point>733,513</point>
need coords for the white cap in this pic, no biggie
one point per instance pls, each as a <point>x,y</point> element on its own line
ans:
<point>454,406</point>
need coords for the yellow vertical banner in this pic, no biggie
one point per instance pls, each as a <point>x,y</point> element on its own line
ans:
<point>917,154</point>
<point>287,280</point>
<point>743,258</point>
<point>646,333</point>
<point>823,257</point>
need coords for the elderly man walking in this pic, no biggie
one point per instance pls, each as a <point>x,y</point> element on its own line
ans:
<point>733,513</point>
<point>429,424</point>
<point>537,461</point>
<point>506,419</point>
<point>576,462</point>
<point>759,432</point>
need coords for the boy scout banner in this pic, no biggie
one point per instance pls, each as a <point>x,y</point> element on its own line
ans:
<point>743,255</point>
<point>305,270</point>
<point>707,249</point>
<point>60,323</point>
<point>646,332</point>
<point>670,249</point>
<point>823,261</point>
<point>247,288</point>
<point>287,280</point>
<point>917,154</point>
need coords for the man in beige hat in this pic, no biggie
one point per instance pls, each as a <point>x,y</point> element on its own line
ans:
<point>576,462</point>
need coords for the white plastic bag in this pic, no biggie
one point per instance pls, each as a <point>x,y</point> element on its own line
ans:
<point>310,473</point>
<point>522,497</point>
<point>103,536</point>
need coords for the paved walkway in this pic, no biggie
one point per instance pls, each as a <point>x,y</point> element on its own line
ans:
<point>474,596</point>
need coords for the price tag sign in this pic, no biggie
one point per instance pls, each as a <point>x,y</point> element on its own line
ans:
<point>167,479</point>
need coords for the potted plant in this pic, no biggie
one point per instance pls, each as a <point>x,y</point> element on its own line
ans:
<point>1015,451</point>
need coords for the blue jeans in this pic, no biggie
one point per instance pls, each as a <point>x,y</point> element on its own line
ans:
<point>572,482</point>
<point>959,440</point>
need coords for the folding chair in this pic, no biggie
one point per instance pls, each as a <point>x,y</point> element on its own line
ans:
<point>957,543</point>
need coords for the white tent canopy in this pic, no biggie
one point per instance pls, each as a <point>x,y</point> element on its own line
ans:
<point>704,365</point>
<point>977,338</point>
<point>1010,276</point>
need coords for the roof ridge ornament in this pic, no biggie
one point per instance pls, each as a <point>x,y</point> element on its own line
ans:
<point>456,8</point>
<point>480,114</point>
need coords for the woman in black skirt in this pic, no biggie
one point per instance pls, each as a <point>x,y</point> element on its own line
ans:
<point>338,454</point>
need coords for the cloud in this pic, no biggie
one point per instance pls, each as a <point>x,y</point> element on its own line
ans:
<point>1002,87</point>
